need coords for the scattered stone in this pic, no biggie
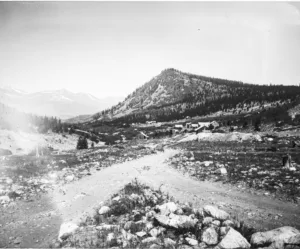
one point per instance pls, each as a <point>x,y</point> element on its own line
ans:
<point>191,242</point>
<point>278,234</point>
<point>155,232</point>
<point>221,171</point>
<point>210,236</point>
<point>216,223</point>
<point>66,229</point>
<point>69,178</point>
<point>207,220</point>
<point>167,208</point>
<point>234,240</point>
<point>176,221</point>
<point>169,243</point>
<point>104,210</point>
<point>216,213</point>
<point>141,234</point>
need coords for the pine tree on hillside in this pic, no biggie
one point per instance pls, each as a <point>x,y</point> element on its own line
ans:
<point>82,143</point>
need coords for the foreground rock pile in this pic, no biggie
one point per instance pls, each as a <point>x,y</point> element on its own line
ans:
<point>138,217</point>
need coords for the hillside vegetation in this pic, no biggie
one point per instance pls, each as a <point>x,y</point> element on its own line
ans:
<point>12,119</point>
<point>174,95</point>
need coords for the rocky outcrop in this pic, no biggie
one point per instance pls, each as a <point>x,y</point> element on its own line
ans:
<point>276,238</point>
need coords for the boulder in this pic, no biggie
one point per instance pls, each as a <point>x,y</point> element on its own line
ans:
<point>279,234</point>
<point>167,208</point>
<point>216,213</point>
<point>104,210</point>
<point>207,220</point>
<point>295,240</point>
<point>210,236</point>
<point>233,240</point>
<point>191,241</point>
<point>69,178</point>
<point>176,221</point>
<point>66,229</point>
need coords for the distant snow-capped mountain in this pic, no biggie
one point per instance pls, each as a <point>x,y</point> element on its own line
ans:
<point>61,103</point>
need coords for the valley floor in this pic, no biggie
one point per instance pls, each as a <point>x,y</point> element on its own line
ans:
<point>36,222</point>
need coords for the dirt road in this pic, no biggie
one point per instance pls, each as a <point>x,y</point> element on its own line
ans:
<point>37,223</point>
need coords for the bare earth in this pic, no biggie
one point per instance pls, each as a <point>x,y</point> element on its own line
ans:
<point>36,223</point>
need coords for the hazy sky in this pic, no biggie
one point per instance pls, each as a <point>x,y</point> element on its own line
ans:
<point>111,48</point>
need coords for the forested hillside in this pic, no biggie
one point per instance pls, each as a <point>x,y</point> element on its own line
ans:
<point>174,94</point>
<point>12,119</point>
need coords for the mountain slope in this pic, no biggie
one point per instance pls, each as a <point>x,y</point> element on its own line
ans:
<point>174,94</point>
<point>61,103</point>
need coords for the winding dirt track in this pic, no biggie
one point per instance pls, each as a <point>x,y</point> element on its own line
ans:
<point>38,222</point>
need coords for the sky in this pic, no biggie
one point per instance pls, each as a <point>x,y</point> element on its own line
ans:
<point>111,48</point>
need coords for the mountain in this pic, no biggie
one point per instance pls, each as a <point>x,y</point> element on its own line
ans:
<point>60,103</point>
<point>174,94</point>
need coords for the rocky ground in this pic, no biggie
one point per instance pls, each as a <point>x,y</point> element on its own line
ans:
<point>253,166</point>
<point>75,184</point>
<point>140,217</point>
<point>24,177</point>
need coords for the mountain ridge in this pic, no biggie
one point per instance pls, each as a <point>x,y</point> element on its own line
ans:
<point>61,103</point>
<point>173,94</point>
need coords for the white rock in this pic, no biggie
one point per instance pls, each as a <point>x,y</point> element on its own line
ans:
<point>110,237</point>
<point>207,163</point>
<point>281,234</point>
<point>207,220</point>
<point>104,210</point>
<point>210,236</point>
<point>191,242</point>
<point>53,175</point>
<point>228,223</point>
<point>176,221</point>
<point>156,231</point>
<point>4,199</point>
<point>221,171</point>
<point>66,229</point>
<point>69,178</point>
<point>141,234</point>
<point>169,243</point>
<point>216,213</point>
<point>234,240</point>
<point>117,198</point>
<point>167,208</point>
